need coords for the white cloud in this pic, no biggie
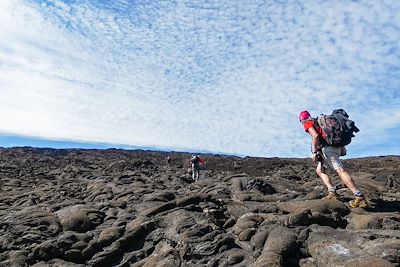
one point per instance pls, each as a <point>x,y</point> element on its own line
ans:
<point>220,76</point>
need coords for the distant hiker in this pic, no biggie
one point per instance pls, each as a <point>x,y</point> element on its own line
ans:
<point>329,136</point>
<point>168,160</point>
<point>195,164</point>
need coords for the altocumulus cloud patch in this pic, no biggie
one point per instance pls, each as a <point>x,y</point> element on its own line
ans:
<point>221,76</point>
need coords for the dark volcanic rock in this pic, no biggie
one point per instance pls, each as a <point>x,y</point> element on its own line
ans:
<point>337,247</point>
<point>79,218</point>
<point>131,208</point>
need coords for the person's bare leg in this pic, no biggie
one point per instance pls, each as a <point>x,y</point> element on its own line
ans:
<point>359,201</point>
<point>347,180</point>
<point>325,178</point>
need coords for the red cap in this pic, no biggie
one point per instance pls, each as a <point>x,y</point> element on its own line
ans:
<point>304,115</point>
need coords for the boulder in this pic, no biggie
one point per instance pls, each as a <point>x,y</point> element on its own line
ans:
<point>384,220</point>
<point>247,223</point>
<point>280,243</point>
<point>324,206</point>
<point>28,227</point>
<point>108,235</point>
<point>80,218</point>
<point>338,247</point>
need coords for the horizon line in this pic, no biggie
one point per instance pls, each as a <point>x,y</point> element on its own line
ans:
<point>18,141</point>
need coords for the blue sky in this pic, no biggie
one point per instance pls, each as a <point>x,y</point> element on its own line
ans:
<point>222,76</point>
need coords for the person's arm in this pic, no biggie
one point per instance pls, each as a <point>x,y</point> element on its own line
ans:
<point>314,142</point>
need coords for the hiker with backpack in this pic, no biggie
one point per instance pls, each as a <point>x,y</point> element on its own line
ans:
<point>329,136</point>
<point>195,164</point>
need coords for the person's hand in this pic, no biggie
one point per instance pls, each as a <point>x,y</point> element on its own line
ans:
<point>314,157</point>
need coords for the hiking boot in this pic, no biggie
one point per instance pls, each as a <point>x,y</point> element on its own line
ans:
<point>331,196</point>
<point>358,202</point>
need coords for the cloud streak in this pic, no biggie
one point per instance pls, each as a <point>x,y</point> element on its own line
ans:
<point>218,75</point>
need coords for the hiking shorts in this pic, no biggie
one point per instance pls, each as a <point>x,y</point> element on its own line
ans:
<point>331,156</point>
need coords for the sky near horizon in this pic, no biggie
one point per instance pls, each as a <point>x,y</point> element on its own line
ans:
<point>220,76</point>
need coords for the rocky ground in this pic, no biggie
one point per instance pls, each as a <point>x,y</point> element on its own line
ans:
<point>130,208</point>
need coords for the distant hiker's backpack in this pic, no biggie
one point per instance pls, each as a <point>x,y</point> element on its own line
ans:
<point>337,129</point>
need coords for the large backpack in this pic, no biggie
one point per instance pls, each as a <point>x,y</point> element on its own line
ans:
<point>337,129</point>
